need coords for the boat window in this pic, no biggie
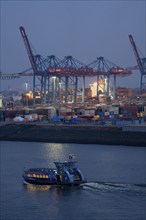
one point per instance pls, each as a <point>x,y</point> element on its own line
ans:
<point>38,176</point>
<point>41,176</point>
<point>34,175</point>
<point>29,175</point>
<point>46,176</point>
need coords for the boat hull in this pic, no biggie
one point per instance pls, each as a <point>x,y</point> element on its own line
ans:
<point>49,183</point>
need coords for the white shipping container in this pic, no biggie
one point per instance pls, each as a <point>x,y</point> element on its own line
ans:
<point>106,113</point>
<point>86,112</point>
<point>68,110</point>
<point>28,117</point>
<point>51,112</point>
<point>114,109</point>
<point>34,117</point>
<point>92,112</point>
<point>1,103</point>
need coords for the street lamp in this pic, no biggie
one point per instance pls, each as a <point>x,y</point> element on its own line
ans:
<point>60,92</point>
<point>26,87</point>
<point>53,88</point>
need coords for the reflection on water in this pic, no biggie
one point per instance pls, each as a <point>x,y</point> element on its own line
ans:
<point>54,152</point>
<point>32,187</point>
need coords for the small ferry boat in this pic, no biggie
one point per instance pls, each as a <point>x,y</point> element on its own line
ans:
<point>65,173</point>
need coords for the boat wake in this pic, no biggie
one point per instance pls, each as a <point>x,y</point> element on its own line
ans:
<point>103,187</point>
<point>112,186</point>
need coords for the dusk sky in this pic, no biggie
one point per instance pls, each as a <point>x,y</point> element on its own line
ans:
<point>83,29</point>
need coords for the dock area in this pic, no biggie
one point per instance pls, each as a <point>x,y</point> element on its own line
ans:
<point>74,133</point>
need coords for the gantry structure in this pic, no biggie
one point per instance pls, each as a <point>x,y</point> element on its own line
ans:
<point>61,81</point>
<point>105,70</point>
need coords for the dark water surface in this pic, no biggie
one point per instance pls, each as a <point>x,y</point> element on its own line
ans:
<point>116,188</point>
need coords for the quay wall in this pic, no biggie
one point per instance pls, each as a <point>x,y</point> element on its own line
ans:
<point>87,134</point>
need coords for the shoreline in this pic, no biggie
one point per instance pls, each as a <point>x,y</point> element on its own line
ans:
<point>87,134</point>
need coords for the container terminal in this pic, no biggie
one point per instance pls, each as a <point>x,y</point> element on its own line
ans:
<point>59,93</point>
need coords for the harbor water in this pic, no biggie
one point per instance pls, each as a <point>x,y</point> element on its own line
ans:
<point>115,188</point>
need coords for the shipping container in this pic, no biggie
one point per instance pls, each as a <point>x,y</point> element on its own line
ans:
<point>92,112</point>
<point>144,110</point>
<point>86,112</point>
<point>106,113</point>
<point>2,115</point>
<point>28,118</point>
<point>51,113</point>
<point>114,109</point>
<point>68,110</point>
<point>40,117</point>
<point>34,117</point>
<point>10,114</point>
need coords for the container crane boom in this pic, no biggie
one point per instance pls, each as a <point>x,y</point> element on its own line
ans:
<point>140,65</point>
<point>31,58</point>
<point>28,47</point>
